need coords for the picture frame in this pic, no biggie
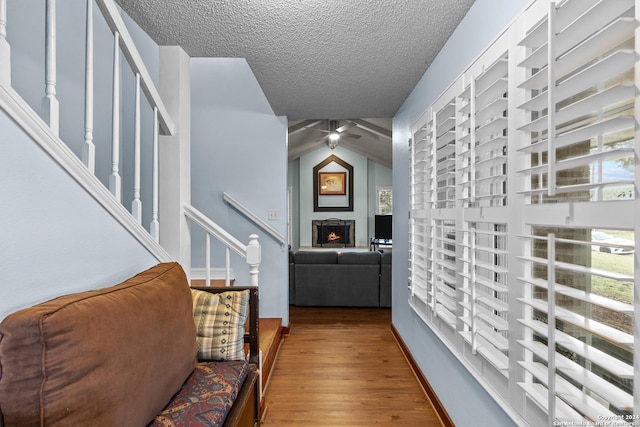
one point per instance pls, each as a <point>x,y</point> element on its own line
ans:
<point>332,183</point>
<point>326,202</point>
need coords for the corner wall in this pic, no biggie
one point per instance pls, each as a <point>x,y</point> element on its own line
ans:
<point>466,401</point>
<point>55,238</point>
<point>239,146</point>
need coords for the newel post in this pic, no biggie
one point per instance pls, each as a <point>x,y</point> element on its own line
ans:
<point>254,257</point>
<point>174,155</point>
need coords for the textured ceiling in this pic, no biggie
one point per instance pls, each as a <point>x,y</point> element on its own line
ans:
<point>313,58</point>
<point>316,59</point>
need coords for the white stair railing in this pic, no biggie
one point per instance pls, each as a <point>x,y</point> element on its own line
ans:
<point>250,252</point>
<point>123,44</point>
<point>279,237</point>
<point>44,129</point>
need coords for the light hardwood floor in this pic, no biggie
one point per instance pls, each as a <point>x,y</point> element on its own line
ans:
<point>342,367</point>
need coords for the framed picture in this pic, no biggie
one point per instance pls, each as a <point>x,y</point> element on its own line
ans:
<point>332,183</point>
<point>327,184</point>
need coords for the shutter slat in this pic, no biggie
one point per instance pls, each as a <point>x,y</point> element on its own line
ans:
<point>589,407</point>
<point>600,358</point>
<point>606,332</point>
<point>564,413</point>
<point>590,105</point>
<point>617,397</point>
<point>581,295</point>
<point>604,127</point>
<point>586,160</point>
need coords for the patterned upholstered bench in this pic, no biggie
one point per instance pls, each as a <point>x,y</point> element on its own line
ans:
<point>127,355</point>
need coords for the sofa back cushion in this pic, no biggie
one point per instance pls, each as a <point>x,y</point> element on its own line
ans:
<point>109,357</point>
<point>316,257</point>
<point>359,258</point>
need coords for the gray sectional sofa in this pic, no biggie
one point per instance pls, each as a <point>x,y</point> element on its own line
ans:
<point>340,279</point>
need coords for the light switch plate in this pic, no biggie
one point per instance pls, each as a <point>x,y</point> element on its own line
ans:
<point>274,214</point>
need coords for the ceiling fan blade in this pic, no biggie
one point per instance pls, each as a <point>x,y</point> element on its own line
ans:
<point>320,130</point>
<point>345,127</point>
<point>351,135</point>
<point>320,139</point>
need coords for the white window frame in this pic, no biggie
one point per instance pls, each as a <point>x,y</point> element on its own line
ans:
<point>380,189</point>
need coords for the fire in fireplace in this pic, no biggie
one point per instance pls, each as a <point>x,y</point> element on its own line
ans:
<point>333,233</point>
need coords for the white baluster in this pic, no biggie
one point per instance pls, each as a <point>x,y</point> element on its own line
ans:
<point>50,105</point>
<point>227,274</point>
<point>89,149</point>
<point>5,49</point>
<point>136,204</point>
<point>207,260</point>
<point>254,257</point>
<point>115,181</point>
<point>155,224</point>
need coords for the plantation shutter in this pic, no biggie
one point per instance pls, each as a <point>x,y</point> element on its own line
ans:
<point>522,181</point>
<point>580,111</point>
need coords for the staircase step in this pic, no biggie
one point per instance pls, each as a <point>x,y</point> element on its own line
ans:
<point>271,335</point>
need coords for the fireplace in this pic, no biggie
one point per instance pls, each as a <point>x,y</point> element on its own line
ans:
<point>333,233</point>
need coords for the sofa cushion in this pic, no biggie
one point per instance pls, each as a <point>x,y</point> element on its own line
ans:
<point>316,257</point>
<point>113,356</point>
<point>359,258</point>
<point>220,320</point>
<point>206,397</point>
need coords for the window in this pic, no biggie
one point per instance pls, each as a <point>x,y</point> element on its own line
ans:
<point>522,224</point>
<point>385,201</point>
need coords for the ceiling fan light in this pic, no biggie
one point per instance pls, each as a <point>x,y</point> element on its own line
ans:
<point>334,136</point>
<point>332,143</point>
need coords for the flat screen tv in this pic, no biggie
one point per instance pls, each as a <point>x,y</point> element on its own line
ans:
<point>383,227</point>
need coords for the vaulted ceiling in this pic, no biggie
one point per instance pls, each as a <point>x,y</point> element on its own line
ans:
<point>368,137</point>
<point>315,60</point>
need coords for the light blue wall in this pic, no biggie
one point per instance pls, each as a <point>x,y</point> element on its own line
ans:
<point>465,400</point>
<point>55,239</point>
<point>239,146</point>
<point>250,138</point>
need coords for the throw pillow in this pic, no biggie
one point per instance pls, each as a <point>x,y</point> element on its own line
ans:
<point>220,320</point>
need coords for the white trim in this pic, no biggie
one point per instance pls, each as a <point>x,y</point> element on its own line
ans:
<point>279,237</point>
<point>129,50</point>
<point>215,230</point>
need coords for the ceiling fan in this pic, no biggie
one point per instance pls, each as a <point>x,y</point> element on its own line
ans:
<point>335,132</point>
